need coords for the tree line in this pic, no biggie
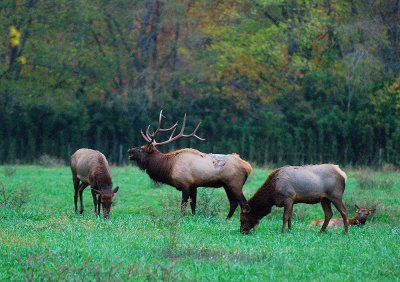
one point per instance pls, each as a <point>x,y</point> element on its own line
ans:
<point>277,81</point>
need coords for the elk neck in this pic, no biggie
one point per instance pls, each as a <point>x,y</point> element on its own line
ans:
<point>263,200</point>
<point>159,167</point>
<point>102,176</point>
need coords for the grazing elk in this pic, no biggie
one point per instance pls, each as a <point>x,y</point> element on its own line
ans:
<point>187,169</point>
<point>90,167</point>
<point>290,185</point>
<point>360,218</point>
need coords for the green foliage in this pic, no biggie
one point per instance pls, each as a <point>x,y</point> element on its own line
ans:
<point>276,81</point>
<point>148,239</point>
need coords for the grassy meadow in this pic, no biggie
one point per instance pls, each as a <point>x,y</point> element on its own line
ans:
<point>146,239</point>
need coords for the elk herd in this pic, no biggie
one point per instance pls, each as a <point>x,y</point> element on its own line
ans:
<point>189,169</point>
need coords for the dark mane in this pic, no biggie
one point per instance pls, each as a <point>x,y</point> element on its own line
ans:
<point>159,167</point>
<point>262,201</point>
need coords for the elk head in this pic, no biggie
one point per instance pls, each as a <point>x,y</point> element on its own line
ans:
<point>362,214</point>
<point>140,154</point>
<point>247,221</point>
<point>106,200</point>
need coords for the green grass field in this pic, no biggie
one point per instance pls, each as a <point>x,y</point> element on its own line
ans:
<point>41,238</point>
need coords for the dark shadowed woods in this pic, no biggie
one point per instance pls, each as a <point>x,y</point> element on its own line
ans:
<point>275,81</point>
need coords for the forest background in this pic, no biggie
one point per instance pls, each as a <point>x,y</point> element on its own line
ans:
<point>277,81</point>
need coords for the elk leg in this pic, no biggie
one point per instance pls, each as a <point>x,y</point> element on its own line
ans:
<point>233,203</point>
<point>237,193</point>
<point>98,205</point>
<point>81,188</point>
<point>193,198</point>
<point>290,217</point>
<point>94,196</point>
<point>76,189</point>
<point>185,198</point>
<point>326,206</point>
<point>76,200</point>
<point>343,211</point>
<point>286,213</point>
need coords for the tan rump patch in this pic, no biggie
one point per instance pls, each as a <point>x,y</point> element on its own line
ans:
<point>341,172</point>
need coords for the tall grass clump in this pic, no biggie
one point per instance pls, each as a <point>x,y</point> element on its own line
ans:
<point>14,198</point>
<point>209,203</point>
<point>9,170</point>
<point>367,179</point>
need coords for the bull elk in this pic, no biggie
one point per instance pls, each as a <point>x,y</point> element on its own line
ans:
<point>359,219</point>
<point>90,167</point>
<point>188,169</point>
<point>290,185</point>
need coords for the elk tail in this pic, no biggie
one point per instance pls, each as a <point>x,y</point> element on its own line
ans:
<point>247,167</point>
<point>341,172</point>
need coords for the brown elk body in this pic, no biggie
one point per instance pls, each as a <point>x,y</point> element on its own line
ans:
<point>290,185</point>
<point>90,167</point>
<point>188,169</point>
<point>360,218</point>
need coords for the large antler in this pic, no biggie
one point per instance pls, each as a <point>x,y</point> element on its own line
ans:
<point>150,137</point>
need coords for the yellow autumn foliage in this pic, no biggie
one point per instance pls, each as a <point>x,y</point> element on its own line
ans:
<point>22,60</point>
<point>15,36</point>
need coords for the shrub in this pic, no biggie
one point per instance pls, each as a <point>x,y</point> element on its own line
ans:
<point>49,161</point>
<point>389,168</point>
<point>9,170</point>
<point>209,204</point>
<point>14,199</point>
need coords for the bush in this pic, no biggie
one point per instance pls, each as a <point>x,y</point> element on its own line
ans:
<point>9,170</point>
<point>389,168</point>
<point>49,161</point>
<point>14,199</point>
<point>209,204</point>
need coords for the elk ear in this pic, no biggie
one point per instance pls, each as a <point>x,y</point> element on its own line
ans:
<point>115,190</point>
<point>149,147</point>
<point>246,209</point>
<point>96,191</point>
<point>357,207</point>
<point>372,211</point>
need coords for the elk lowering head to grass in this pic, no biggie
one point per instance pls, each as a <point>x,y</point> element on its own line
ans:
<point>358,220</point>
<point>290,185</point>
<point>188,169</point>
<point>90,167</point>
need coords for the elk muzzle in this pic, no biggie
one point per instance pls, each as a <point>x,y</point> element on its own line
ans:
<point>106,203</point>
<point>244,230</point>
<point>134,153</point>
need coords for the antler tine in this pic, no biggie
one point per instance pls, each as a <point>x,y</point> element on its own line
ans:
<point>145,137</point>
<point>159,129</point>
<point>150,137</point>
<point>183,125</point>
<point>172,134</point>
<point>147,132</point>
<point>180,134</point>
<point>194,133</point>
